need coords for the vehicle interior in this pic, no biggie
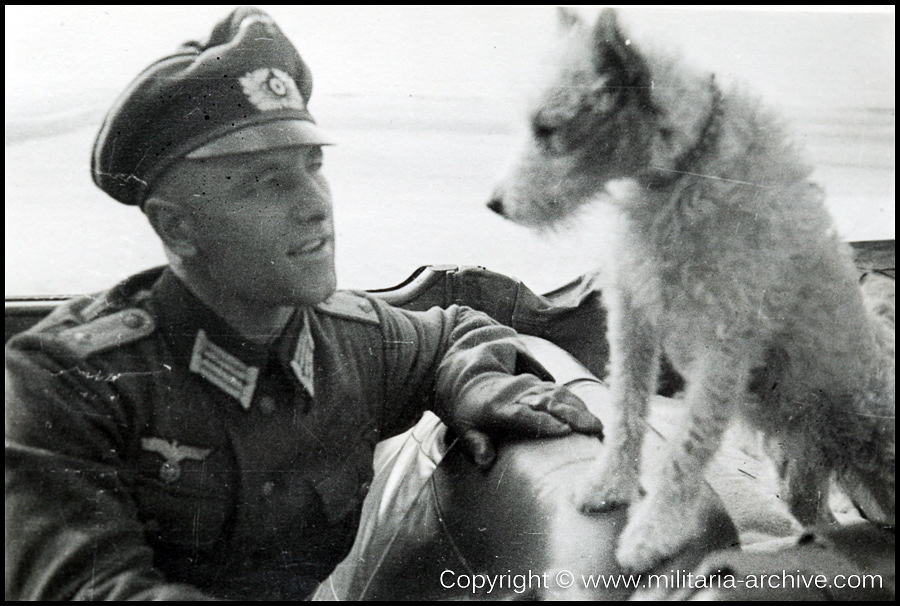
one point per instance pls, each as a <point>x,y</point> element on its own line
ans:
<point>517,515</point>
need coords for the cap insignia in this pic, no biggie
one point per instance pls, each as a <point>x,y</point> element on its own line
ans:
<point>270,89</point>
<point>266,21</point>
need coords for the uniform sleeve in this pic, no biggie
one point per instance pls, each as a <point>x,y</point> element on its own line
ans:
<point>443,358</point>
<point>72,530</point>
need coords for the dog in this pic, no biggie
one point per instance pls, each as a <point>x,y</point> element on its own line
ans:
<point>727,261</point>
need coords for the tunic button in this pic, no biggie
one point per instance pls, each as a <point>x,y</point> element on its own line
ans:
<point>267,405</point>
<point>169,472</point>
<point>268,488</point>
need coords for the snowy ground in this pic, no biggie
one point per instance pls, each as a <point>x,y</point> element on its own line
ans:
<point>409,189</point>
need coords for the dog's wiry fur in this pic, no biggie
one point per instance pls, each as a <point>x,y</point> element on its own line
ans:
<point>727,262</point>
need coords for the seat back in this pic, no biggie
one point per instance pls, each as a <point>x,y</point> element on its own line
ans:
<point>571,316</point>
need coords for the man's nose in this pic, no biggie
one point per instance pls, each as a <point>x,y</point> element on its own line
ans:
<point>313,203</point>
<point>314,217</point>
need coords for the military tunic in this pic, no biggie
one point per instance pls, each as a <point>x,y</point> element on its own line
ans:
<point>152,452</point>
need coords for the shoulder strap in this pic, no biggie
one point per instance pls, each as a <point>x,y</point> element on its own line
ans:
<point>350,306</point>
<point>108,332</point>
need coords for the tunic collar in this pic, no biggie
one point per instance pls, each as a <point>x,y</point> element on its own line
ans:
<point>210,347</point>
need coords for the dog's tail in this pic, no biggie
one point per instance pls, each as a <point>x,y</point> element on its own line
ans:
<point>878,296</point>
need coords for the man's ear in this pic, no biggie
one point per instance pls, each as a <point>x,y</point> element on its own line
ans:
<point>173,224</point>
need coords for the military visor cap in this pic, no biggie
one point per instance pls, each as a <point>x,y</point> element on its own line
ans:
<point>244,90</point>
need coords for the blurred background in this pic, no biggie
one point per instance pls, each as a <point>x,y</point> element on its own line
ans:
<point>427,105</point>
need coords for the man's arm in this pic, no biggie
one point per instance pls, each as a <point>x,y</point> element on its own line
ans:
<point>71,527</point>
<point>468,369</point>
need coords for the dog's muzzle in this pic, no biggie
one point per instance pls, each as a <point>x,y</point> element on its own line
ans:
<point>496,204</point>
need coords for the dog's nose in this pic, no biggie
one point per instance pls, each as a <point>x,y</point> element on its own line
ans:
<point>496,204</point>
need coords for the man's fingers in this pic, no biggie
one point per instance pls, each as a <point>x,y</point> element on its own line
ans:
<point>578,417</point>
<point>544,412</point>
<point>480,447</point>
<point>567,407</point>
<point>526,421</point>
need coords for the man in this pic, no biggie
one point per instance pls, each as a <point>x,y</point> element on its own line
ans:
<point>207,429</point>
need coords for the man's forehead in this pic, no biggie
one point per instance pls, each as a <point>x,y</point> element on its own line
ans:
<point>194,175</point>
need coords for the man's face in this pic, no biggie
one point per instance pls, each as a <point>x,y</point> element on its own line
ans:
<point>261,224</point>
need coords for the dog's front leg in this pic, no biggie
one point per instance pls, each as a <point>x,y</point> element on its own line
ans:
<point>674,510</point>
<point>634,355</point>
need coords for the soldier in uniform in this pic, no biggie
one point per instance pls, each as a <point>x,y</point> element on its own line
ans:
<point>206,429</point>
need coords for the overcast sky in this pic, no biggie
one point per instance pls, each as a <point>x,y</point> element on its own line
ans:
<point>55,55</point>
<point>65,65</point>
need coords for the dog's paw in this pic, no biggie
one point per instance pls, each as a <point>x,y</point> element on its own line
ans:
<point>606,496</point>
<point>653,534</point>
<point>612,486</point>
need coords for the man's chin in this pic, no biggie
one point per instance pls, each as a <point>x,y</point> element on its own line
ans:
<point>311,301</point>
<point>316,294</point>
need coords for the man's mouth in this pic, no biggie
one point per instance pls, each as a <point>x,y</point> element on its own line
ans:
<point>308,248</point>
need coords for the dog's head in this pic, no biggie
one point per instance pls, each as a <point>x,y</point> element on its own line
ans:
<point>608,115</point>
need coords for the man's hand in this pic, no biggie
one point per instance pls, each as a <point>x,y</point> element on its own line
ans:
<point>541,411</point>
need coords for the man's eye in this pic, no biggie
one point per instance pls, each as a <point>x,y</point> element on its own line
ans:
<point>269,184</point>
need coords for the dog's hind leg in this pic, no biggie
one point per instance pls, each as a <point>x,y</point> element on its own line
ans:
<point>872,493</point>
<point>803,468</point>
<point>867,459</point>
<point>672,514</point>
<point>634,355</point>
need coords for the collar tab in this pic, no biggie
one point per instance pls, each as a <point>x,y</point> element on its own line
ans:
<point>225,371</point>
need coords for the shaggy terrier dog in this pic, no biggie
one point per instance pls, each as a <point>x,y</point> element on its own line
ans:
<point>726,261</point>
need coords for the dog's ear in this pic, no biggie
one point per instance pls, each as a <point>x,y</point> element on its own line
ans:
<point>614,53</point>
<point>567,19</point>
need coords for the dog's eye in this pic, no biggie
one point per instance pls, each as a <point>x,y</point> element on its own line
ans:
<point>549,138</point>
<point>547,135</point>
<point>542,132</point>
<point>550,130</point>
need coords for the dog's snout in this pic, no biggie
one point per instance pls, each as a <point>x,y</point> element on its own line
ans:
<point>496,204</point>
